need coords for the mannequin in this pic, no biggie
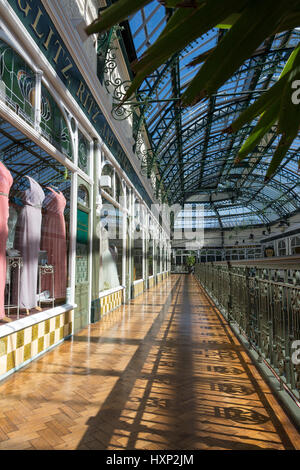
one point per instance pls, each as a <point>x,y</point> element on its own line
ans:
<point>27,241</point>
<point>6,181</point>
<point>110,276</point>
<point>54,242</point>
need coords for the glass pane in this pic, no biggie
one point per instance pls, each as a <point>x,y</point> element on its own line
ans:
<point>83,196</point>
<point>38,226</point>
<point>83,153</point>
<point>107,183</point>
<point>53,124</point>
<point>111,246</point>
<point>17,83</point>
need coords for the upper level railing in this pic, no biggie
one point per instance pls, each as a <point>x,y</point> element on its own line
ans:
<point>263,297</point>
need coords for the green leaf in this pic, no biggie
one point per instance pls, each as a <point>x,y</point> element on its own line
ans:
<point>229,22</point>
<point>263,126</point>
<point>186,26</point>
<point>200,58</point>
<point>282,148</point>
<point>266,99</point>
<point>289,116</point>
<point>114,14</point>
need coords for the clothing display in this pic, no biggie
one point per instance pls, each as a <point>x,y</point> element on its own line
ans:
<point>6,181</point>
<point>54,242</point>
<point>109,278</point>
<point>27,241</point>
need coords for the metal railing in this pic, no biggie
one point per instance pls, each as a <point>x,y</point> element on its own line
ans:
<point>263,298</point>
<point>179,269</point>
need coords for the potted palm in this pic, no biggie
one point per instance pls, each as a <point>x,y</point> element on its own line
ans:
<point>190,261</point>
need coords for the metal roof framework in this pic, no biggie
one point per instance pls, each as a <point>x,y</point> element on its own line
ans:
<point>194,157</point>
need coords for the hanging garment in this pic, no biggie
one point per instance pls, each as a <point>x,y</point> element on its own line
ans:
<point>109,278</point>
<point>54,242</point>
<point>27,241</point>
<point>6,181</point>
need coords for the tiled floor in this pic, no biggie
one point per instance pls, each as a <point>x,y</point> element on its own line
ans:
<point>164,372</point>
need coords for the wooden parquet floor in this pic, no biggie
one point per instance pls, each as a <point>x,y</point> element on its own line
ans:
<point>163,372</point>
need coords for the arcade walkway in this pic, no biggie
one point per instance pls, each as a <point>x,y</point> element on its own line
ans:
<point>164,372</point>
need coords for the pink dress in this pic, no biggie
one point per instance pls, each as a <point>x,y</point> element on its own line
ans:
<point>6,181</point>
<point>27,241</point>
<point>54,242</point>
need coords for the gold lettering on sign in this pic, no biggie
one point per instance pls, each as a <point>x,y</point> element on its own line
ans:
<point>86,98</point>
<point>46,43</point>
<point>66,68</point>
<point>58,51</point>
<point>35,23</point>
<point>80,91</point>
<point>91,105</point>
<point>24,9</point>
<point>95,115</point>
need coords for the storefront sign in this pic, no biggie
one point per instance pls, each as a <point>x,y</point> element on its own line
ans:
<point>38,23</point>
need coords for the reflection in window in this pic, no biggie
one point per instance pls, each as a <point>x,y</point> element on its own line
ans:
<point>137,243</point>
<point>83,152</point>
<point>53,124</point>
<point>295,245</point>
<point>17,83</point>
<point>150,255</point>
<point>111,247</point>
<point>107,179</point>
<point>38,229</point>
<point>282,248</point>
<point>158,257</point>
<point>83,196</point>
<point>119,190</point>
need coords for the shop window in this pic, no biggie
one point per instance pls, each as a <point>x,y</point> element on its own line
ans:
<point>295,245</point>
<point>17,83</point>
<point>53,125</point>
<point>107,179</point>
<point>83,196</point>
<point>158,269</point>
<point>111,246</point>
<point>137,243</point>
<point>282,248</point>
<point>119,189</point>
<point>37,200</point>
<point>83,153</point>
<point>150,255</point>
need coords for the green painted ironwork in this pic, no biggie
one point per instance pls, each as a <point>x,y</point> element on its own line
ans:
<point>17,83</point>
<point>53,124</point>
<point>263,300</point>
<point>83,152</point>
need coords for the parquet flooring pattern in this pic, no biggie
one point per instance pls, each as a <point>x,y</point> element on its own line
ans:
<point>162,372</point>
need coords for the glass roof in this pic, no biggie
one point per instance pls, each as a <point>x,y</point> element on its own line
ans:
<point>194,157</point>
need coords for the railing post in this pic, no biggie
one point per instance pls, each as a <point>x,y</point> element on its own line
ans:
<point>247,306</point>
<point>229,303</point>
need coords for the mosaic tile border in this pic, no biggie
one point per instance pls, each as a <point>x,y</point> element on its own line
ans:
<point>138,288</point>
<point>111,301</point>
<point>19,348</point>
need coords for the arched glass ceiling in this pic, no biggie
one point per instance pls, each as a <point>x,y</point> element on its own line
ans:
<point>195,158</point>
